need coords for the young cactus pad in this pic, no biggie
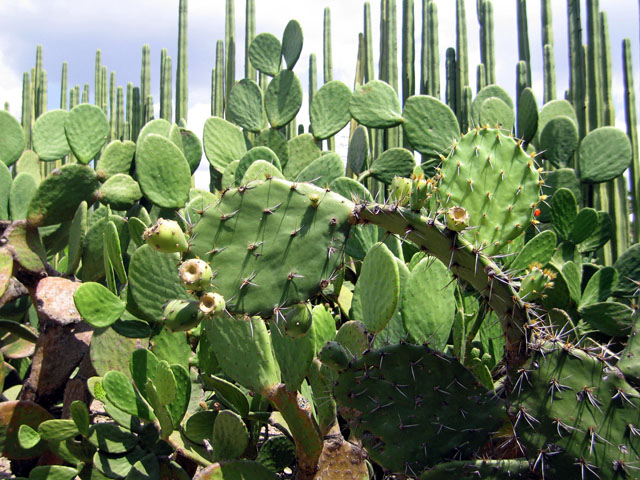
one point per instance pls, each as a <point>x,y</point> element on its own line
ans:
<point>270,245</point>
<point>491,176</point>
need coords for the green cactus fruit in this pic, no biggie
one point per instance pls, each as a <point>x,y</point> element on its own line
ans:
<point>182,315</point>
<point>535,281</point>
<point>457,218</point>
<point>196,274</point>
<point>166,236</point>
<point>421,190</point>
<point>334,356</point>
<point>400,192</point>
<point>297,320</point>
<point>211,303</point>
<point>491,176</point>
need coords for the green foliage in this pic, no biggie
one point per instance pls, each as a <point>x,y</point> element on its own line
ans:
<point>302,289</point>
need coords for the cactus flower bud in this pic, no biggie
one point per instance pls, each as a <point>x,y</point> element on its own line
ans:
<point>400,190</point>
<point>314,200</point>
<point>195,274</point>
<point>535,281</point>
<point>457,218</point>
<point>166,236</point>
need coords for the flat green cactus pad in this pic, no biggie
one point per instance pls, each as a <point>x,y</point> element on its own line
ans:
<point>11,138</point>
<point>272,243</point>
<point>491,176</point>
<point>576,415</point>
<point>49,137</point>
<point>87,129</point>
<point>55,202</point>
<point>413,407</point>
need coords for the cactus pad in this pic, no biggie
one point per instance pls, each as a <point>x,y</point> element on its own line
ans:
<point>491,176</point>
<point>576,416</point>
<point>412,407</point>
<point>269,246</point>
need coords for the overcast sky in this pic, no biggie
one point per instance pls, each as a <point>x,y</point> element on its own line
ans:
<point>72,30</point>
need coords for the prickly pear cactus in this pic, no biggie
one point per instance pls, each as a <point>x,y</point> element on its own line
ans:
<point>272,243</point>
<point>576,416</point>
<point>496,181</point>
<point>413,407</point>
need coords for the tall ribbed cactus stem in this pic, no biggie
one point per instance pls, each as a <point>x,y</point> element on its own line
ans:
<point>632,132</point>
<point>145,80</point>
<point>97,78</point>
<point>462,57</point>
<point>64,78</point>
<point>250,34</point>
<point>523,37</point>
<point>182,68</point>
<point>548,56</point>
<point>327,58</point>
<point>230,49</point>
